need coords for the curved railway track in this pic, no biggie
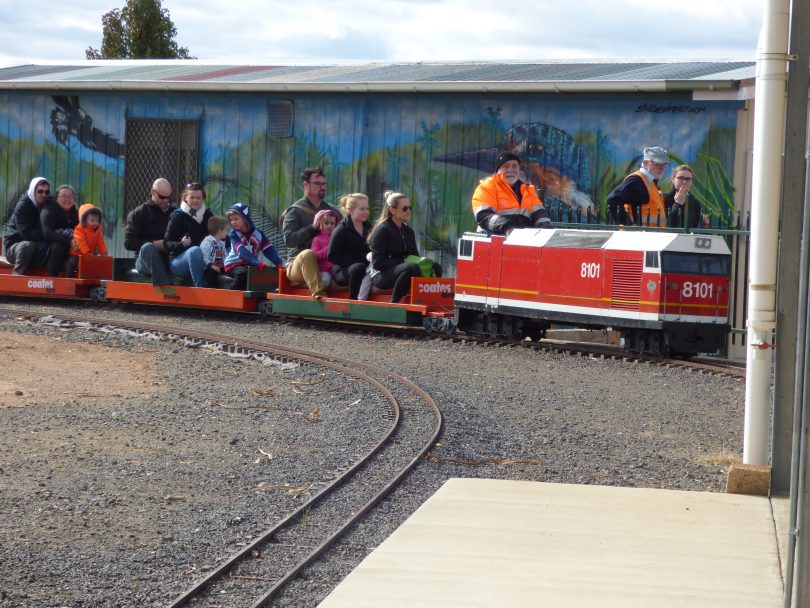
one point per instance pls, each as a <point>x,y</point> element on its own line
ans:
<point>700,365</point>
<point>263,567</point>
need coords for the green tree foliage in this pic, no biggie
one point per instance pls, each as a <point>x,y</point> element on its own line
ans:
<point>140,30</point>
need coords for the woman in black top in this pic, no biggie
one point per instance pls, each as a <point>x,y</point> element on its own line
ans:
<point>187,228</point>
<point>679,204</point>
<point>58,218</point>
<point>348,246</point>
<point>391,241</point>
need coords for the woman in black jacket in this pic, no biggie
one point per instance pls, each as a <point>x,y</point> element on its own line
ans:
<point>348,246</point>
<point>187,228</point>
<point>391,241</point>
<point>58,218</point>
<point>681,207</point>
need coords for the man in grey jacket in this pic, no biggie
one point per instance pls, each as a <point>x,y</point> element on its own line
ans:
<point>298,231</point>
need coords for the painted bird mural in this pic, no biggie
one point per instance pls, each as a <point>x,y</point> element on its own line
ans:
<point>552,161</point>
<point>68,118</point>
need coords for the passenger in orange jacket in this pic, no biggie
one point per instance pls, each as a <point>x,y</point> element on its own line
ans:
<point>502,202</point>
<point>88,236</point>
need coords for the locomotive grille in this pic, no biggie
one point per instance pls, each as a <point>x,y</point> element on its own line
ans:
<point>625,292</point>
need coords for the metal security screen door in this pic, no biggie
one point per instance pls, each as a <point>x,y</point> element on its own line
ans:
<point>160,148</point>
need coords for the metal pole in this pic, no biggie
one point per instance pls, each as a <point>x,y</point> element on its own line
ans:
<point>799,515</point>
<point>788,278</point>
<point>799,518</point>
<point>769,130</point>
<point>800,474</point>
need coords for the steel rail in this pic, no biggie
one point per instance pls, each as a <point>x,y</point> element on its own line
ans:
<point>339,364</point>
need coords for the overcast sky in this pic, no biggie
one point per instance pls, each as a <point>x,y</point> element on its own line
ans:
<point>306,31</point>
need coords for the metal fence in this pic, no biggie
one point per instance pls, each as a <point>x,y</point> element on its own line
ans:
<point>159,148</point>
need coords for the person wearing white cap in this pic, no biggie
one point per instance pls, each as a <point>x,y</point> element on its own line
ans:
<point>637,200</point>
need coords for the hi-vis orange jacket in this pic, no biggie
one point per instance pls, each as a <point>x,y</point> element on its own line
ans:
<point>89,239</point>
<point>497,209</point>
<point>652,212</point>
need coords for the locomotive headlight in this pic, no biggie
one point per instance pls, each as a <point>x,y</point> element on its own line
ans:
<point>703,243</point>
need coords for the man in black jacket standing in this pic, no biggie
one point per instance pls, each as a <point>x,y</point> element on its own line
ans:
<point>24,244</point>
<point>146,227</point>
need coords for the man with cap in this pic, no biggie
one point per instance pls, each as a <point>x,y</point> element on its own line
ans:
<point>637,200</point>
<point>502,202</point>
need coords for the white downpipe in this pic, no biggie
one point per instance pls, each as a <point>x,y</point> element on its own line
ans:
<point>769,137</point>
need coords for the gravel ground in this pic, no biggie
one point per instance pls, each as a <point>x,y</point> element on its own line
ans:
<point>126,502</point>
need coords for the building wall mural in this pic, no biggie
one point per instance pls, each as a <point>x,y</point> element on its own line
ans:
<point>435,148</point>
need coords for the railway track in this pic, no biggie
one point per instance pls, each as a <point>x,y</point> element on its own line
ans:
<point>263,567</point>
<point>699,365</point>
<point>597,350</point>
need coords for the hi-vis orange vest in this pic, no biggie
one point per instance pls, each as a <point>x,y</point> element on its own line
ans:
<point>653,208</point>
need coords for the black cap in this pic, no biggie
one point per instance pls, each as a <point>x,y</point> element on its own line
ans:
<point>505,157</point>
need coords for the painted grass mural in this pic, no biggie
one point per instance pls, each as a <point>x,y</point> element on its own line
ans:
<point>434,148</point>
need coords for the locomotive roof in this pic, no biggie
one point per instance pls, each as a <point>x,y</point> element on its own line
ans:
<point>668,241</point>
<point>619,240</point>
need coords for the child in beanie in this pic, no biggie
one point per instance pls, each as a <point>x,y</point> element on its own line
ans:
<point>324,222</point>
<point>248,243</point>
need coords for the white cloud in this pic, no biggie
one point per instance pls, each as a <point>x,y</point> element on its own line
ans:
<point>255,31</point>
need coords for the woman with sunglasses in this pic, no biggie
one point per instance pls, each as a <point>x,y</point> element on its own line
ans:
<point>391,241</point>
<point>24,243</point>
<point>187,228</point>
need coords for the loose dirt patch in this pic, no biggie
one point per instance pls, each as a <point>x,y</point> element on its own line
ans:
<point>41,371</point>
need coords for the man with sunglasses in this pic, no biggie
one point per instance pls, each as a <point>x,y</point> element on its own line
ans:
<point>146,226</point>
<point>24,243</point>
<point>637,201</point>
<point>298,231</point>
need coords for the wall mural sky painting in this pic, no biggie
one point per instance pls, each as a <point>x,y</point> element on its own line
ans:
<point>435,148</point>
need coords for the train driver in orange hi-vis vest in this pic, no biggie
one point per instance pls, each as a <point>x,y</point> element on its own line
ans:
<point>637,201</point>
<point>503,202</point>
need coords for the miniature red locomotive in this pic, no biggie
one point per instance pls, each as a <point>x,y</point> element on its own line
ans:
<point>666,293</point>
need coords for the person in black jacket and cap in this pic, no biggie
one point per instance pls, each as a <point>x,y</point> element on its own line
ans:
<point>24,244</point>
<point>637,201</point>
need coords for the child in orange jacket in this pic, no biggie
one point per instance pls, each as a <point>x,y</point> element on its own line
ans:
<point>87,237</point>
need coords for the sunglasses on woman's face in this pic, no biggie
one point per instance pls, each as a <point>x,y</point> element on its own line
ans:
<point>405,208</point>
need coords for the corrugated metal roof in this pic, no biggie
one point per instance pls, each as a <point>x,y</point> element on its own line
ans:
<point>483,76</point>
